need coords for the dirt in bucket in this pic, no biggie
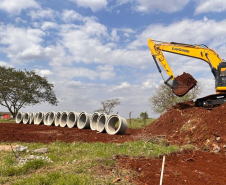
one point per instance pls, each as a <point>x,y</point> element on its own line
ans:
<point>183,84</point>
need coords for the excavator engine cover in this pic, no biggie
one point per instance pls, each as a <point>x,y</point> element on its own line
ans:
<point>182,84</point>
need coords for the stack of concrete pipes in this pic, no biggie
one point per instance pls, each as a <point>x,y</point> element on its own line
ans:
<point>113,124</point>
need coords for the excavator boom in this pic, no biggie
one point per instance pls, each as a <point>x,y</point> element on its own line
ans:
<point>182,84</point>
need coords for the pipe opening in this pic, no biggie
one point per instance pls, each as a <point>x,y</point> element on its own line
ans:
<point>63,119</point>
<point>101,123</point>
<point>57,119</point>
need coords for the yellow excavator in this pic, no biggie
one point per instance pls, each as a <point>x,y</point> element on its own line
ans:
<point>180,85</point>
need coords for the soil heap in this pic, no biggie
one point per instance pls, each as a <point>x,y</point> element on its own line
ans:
<point>186,124</point>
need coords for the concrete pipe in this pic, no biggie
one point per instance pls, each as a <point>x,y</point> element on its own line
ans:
<point>116,125</point>
<point>101,122</point>
<point>35,117</point>
<point>63,119</point>
<point>72,119</point>
<point>19,117</point>
<point>31,120</point>
<point>84,120</point>
<point>57,119</point>
<point>45,119</point>
<point>26,118</point>
<point>93,121</point>
<point>51,118</point>
<point>39,118</point>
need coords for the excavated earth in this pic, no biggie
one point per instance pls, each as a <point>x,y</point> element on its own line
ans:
<point>181,125</point>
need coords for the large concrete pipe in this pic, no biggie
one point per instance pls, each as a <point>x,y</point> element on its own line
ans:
<point>101,122</point>
<point>45,119</point>
<point>26,118</point>
<point>35,117</point>
<point>116,125</point>
<point>19,117</point>
<point>63,119</point>
<point>31,120</point>
<point>39,118</point>
<point>51,118</point>
<point>57,119</point>
<point>84,120</point>
<point>93,121</point>
<point>72,119</point>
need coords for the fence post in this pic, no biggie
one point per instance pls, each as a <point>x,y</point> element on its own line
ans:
<point>130,117</point>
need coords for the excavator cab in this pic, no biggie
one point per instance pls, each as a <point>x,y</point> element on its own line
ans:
<point>220,77</point>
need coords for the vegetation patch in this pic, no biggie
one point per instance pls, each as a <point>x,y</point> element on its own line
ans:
<point>75,163</point>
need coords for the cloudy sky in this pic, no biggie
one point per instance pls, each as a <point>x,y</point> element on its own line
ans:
<point>94,50</point>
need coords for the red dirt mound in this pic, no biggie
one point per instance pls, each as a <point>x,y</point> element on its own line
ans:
<point>197,167</point>
<point>45,134</point>
<point>185,123</point>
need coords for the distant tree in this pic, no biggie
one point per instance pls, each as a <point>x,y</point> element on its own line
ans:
<point>108,106</point>
<point>144,115</point>
<point>164,98</point>
<point>23,88</point>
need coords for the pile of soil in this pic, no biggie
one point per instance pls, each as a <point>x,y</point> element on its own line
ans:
<point>186,168</point>
<point>45,134</point>
<point>186,124</point>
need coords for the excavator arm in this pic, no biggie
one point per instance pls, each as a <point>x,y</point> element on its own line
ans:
<point>202,52</point>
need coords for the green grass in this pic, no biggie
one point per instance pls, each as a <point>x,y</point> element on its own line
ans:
<point>75,163</point>
<point>139,123</point>
<point>7,121</point>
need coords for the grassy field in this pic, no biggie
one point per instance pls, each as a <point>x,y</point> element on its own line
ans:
<point>139,123</point>
<point>76,163</point>
<point>7,120</point>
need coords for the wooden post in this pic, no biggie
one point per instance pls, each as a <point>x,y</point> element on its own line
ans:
<point>130,117</point>
<point>163,164</point>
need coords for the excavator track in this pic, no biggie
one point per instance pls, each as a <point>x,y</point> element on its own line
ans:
<point>211,101</point>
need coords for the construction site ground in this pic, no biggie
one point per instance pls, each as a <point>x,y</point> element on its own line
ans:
<point>183,125</point>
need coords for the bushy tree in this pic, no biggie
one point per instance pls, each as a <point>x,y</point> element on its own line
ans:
<point>108,106</point>
<point>164,98</point>
<point>23,88</point>
<point>144,115</point>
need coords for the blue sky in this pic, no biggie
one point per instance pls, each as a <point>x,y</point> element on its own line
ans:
<point>94,50</point>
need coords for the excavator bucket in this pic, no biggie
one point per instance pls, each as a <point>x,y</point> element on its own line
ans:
<point>183,84</point>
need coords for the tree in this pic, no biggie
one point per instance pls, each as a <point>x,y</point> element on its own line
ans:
<point>23,88</point>
<point>164,98</point>
<point>108,106</point>
<point>144,115</point>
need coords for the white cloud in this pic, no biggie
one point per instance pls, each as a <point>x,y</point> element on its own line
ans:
<point>24,45</point>
<point>49,25</point>
<point>95,5</point>
<point>183,32</point>
<point>5,64</point>
<point>19,20</point>
<point>71,72</point>
<point>147,6</point>
<point>106,72</point>
<point>21,42</point>
<point>205,6</point>
<point>43,14</point>
<point>71,15</point>
<point>123,85</point>
<point>160,5</point>
<point>114,35</point>
<point>44,72</point>
<point>14,7</point>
